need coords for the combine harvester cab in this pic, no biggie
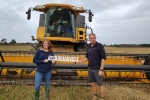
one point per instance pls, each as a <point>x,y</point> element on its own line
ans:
<point>63,25</point>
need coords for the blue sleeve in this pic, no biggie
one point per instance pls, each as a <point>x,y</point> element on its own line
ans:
<point>52,54</point>
<point>36,56</point>
<point>102,52</point>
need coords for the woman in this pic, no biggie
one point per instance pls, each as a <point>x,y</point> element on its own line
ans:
<point>43,68</point>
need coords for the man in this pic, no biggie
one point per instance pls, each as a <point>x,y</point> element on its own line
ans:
<point>95,54</point>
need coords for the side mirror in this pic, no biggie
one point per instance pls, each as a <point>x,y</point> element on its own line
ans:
<point>90,16</point>
<point>33,39</point>
<point>28,14</point>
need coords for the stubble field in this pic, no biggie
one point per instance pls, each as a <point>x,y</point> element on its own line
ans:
<point>127,50</point>
<point>25,92</point>
<point>125,92</point>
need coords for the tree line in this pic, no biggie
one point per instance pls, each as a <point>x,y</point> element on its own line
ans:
<point>4,41</point>
<point>12,41</point>
<point>129,45</point>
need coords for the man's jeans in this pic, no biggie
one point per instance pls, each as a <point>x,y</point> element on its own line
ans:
<point>38,79</point>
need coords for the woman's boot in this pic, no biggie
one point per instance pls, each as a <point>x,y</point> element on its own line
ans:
<point>47,93</point>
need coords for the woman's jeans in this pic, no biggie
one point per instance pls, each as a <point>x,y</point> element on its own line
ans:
<point>38,79</point>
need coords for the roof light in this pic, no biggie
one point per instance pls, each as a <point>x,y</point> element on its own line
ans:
<point>39,7</point>
<point>78,8</point>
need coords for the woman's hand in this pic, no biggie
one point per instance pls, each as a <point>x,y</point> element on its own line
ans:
<point>46,60</point>
<point>53,61</point>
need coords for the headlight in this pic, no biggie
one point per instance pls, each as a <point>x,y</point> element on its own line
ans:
<point>39,7</point>
<point>78,8</point>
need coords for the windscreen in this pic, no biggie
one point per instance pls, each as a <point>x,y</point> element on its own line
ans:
<point>59,23</point>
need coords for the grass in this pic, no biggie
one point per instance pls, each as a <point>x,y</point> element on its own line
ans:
<point>128,50</point>
<point>25,92</point>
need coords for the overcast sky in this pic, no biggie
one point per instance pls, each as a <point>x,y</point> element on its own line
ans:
<point>114,21</point>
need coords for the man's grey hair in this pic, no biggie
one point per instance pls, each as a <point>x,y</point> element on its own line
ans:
<point>92,34</point>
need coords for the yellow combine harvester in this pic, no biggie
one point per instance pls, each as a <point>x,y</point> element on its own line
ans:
<point>63,25</point>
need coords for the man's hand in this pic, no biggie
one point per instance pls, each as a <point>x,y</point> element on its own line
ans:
<point>100,73</point>
<point>46,60</point>
<point>81,61</point>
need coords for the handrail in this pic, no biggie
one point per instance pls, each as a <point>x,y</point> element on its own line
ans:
<point>75,66</point>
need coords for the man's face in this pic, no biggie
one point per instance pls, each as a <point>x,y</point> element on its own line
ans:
<point>92,39</point>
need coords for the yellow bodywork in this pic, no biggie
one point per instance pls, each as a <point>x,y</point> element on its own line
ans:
<point>79,36</point>
<point>40,33</point>
<point>80,73</point>
<point>42,8</point>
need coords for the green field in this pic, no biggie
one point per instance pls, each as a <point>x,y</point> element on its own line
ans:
<point>25,92</point>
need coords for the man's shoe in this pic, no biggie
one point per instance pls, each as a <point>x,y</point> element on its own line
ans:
<point>94,97</point>
<point>100,98</point>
